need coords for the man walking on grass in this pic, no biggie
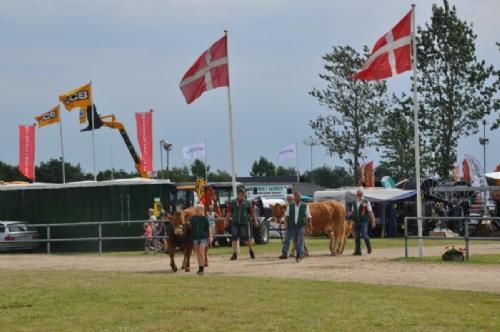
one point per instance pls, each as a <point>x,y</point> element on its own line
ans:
<point>241,212</point>
<point>362,214</point>
<point>297,216</point>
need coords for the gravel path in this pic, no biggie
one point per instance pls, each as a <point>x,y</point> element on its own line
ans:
<point>377,268</point>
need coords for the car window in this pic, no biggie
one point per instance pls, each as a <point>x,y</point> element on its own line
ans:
<point>2,229</point>
<point>20,228</point>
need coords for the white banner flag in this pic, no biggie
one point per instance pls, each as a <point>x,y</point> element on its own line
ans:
<point>476,171</point>
<point>288,153</point>
<point>194,151</point>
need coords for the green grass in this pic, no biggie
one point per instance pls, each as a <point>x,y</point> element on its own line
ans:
<point>473,259</point>
<point>314,245</point>
<point>97,301</point>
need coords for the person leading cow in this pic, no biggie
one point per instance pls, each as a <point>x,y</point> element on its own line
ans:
<point>241,212</point>
<point>297,216</point>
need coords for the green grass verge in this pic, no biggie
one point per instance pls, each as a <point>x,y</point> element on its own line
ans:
<point>473,259</point>
<point>97,301</point>
<point>314,244</point>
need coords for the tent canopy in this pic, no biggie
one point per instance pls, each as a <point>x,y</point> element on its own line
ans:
<point>372,194</point>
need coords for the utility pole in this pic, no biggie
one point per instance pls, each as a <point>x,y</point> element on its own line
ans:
<point>311,142</point>
<point>483,141</point>
<point>168,147</point>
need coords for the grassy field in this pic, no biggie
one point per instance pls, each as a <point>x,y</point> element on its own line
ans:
<point>473,259</point>
<point>96,301</point>
<point>318,244</point>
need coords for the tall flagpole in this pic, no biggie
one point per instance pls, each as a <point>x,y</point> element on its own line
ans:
<point>417,135</point>
<point>231,132</point>
<point>297,162</point>
<point>62,146</point>
<point>206,167</point>
<point>93,136</point>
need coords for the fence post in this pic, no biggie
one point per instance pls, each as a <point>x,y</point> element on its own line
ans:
<point>466,239</point>
<point>406,237</point>
<point>48,239</point>
<point>100,238</point>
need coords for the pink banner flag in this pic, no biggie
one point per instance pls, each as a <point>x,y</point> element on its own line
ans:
<point>27,151</point>
<point>144,123</point>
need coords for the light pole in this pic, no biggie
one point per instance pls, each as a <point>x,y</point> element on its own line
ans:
<point>311,142</point>
<point>168,147</point>
<point>483,141</point>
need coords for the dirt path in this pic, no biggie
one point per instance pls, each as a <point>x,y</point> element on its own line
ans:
<point>377,268</point>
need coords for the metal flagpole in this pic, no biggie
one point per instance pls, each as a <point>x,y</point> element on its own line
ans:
<point>206,167</point>
<point>62,146</point>
<point>297,161</point>
<point>231,132</point>
<point>93,136</point>
<point>417,136</point>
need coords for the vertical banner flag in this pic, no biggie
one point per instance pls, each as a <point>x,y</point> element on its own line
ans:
<point>83,115</point>
<point>209,71</point>
<point>27,151</point>
<point>144,123</point>
<point>473,172</point>
<point>79,97</point>
<point>391,54</point>
<point>194,151</point>
<point>288,152</point>
<point>368,174</point>
<point>52,116</point>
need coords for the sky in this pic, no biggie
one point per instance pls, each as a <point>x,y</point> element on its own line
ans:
<point>135,53</point>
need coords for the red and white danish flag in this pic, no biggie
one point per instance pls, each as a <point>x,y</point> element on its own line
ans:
<point>209,71</point>
<point>391,54</point>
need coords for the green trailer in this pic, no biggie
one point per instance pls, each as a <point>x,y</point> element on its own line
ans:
<point>87,201</point>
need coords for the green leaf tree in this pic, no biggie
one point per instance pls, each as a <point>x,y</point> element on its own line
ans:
<point>456,89</point>
<point>263,167</point>
<point>330,177</point>
<point>396,139</point>
<point>286,171</point>
<point>355,107</point>
<point>198,169</point>
<point>219,176</point>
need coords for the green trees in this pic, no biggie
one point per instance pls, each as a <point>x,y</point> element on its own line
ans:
<point>355,107</point>
<point>456,90</point>
<point>263,167</point>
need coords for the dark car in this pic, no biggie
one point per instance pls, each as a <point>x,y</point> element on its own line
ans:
<point>14,236</point>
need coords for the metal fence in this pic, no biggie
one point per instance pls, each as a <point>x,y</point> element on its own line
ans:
<point>463,222</point>
<point>99,238</point>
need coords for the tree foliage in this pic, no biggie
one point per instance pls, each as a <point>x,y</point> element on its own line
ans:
<point>198,169</point>
<point>263,167</point>
<point>396,139</point>
<point>219,176</point>
<point>330,177</point>
<point>355,107</point>
<point>286,171</point>
<point>456,90</point>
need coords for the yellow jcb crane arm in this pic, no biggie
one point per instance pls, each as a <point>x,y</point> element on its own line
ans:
<point>110,122</point>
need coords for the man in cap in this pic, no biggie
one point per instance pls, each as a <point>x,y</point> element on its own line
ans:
<point>241,212</point>
<point>361,214</point>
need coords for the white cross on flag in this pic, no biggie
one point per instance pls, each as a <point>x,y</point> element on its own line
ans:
<point>209,71</point>
<point>391,54</point>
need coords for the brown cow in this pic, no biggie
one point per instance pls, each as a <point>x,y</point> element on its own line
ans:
<point>328,218</point>
<point>179,236</point>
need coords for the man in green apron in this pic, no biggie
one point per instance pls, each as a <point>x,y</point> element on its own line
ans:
<point>362,214</point>
<point>241,212</point>
<point>296,217</point>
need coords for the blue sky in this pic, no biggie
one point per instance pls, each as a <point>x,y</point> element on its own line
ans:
<point>135,53</point>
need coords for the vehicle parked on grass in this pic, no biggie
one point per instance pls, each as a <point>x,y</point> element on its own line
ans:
<point>14,236</point>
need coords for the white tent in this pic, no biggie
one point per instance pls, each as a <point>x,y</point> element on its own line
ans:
<point>372,194</point>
